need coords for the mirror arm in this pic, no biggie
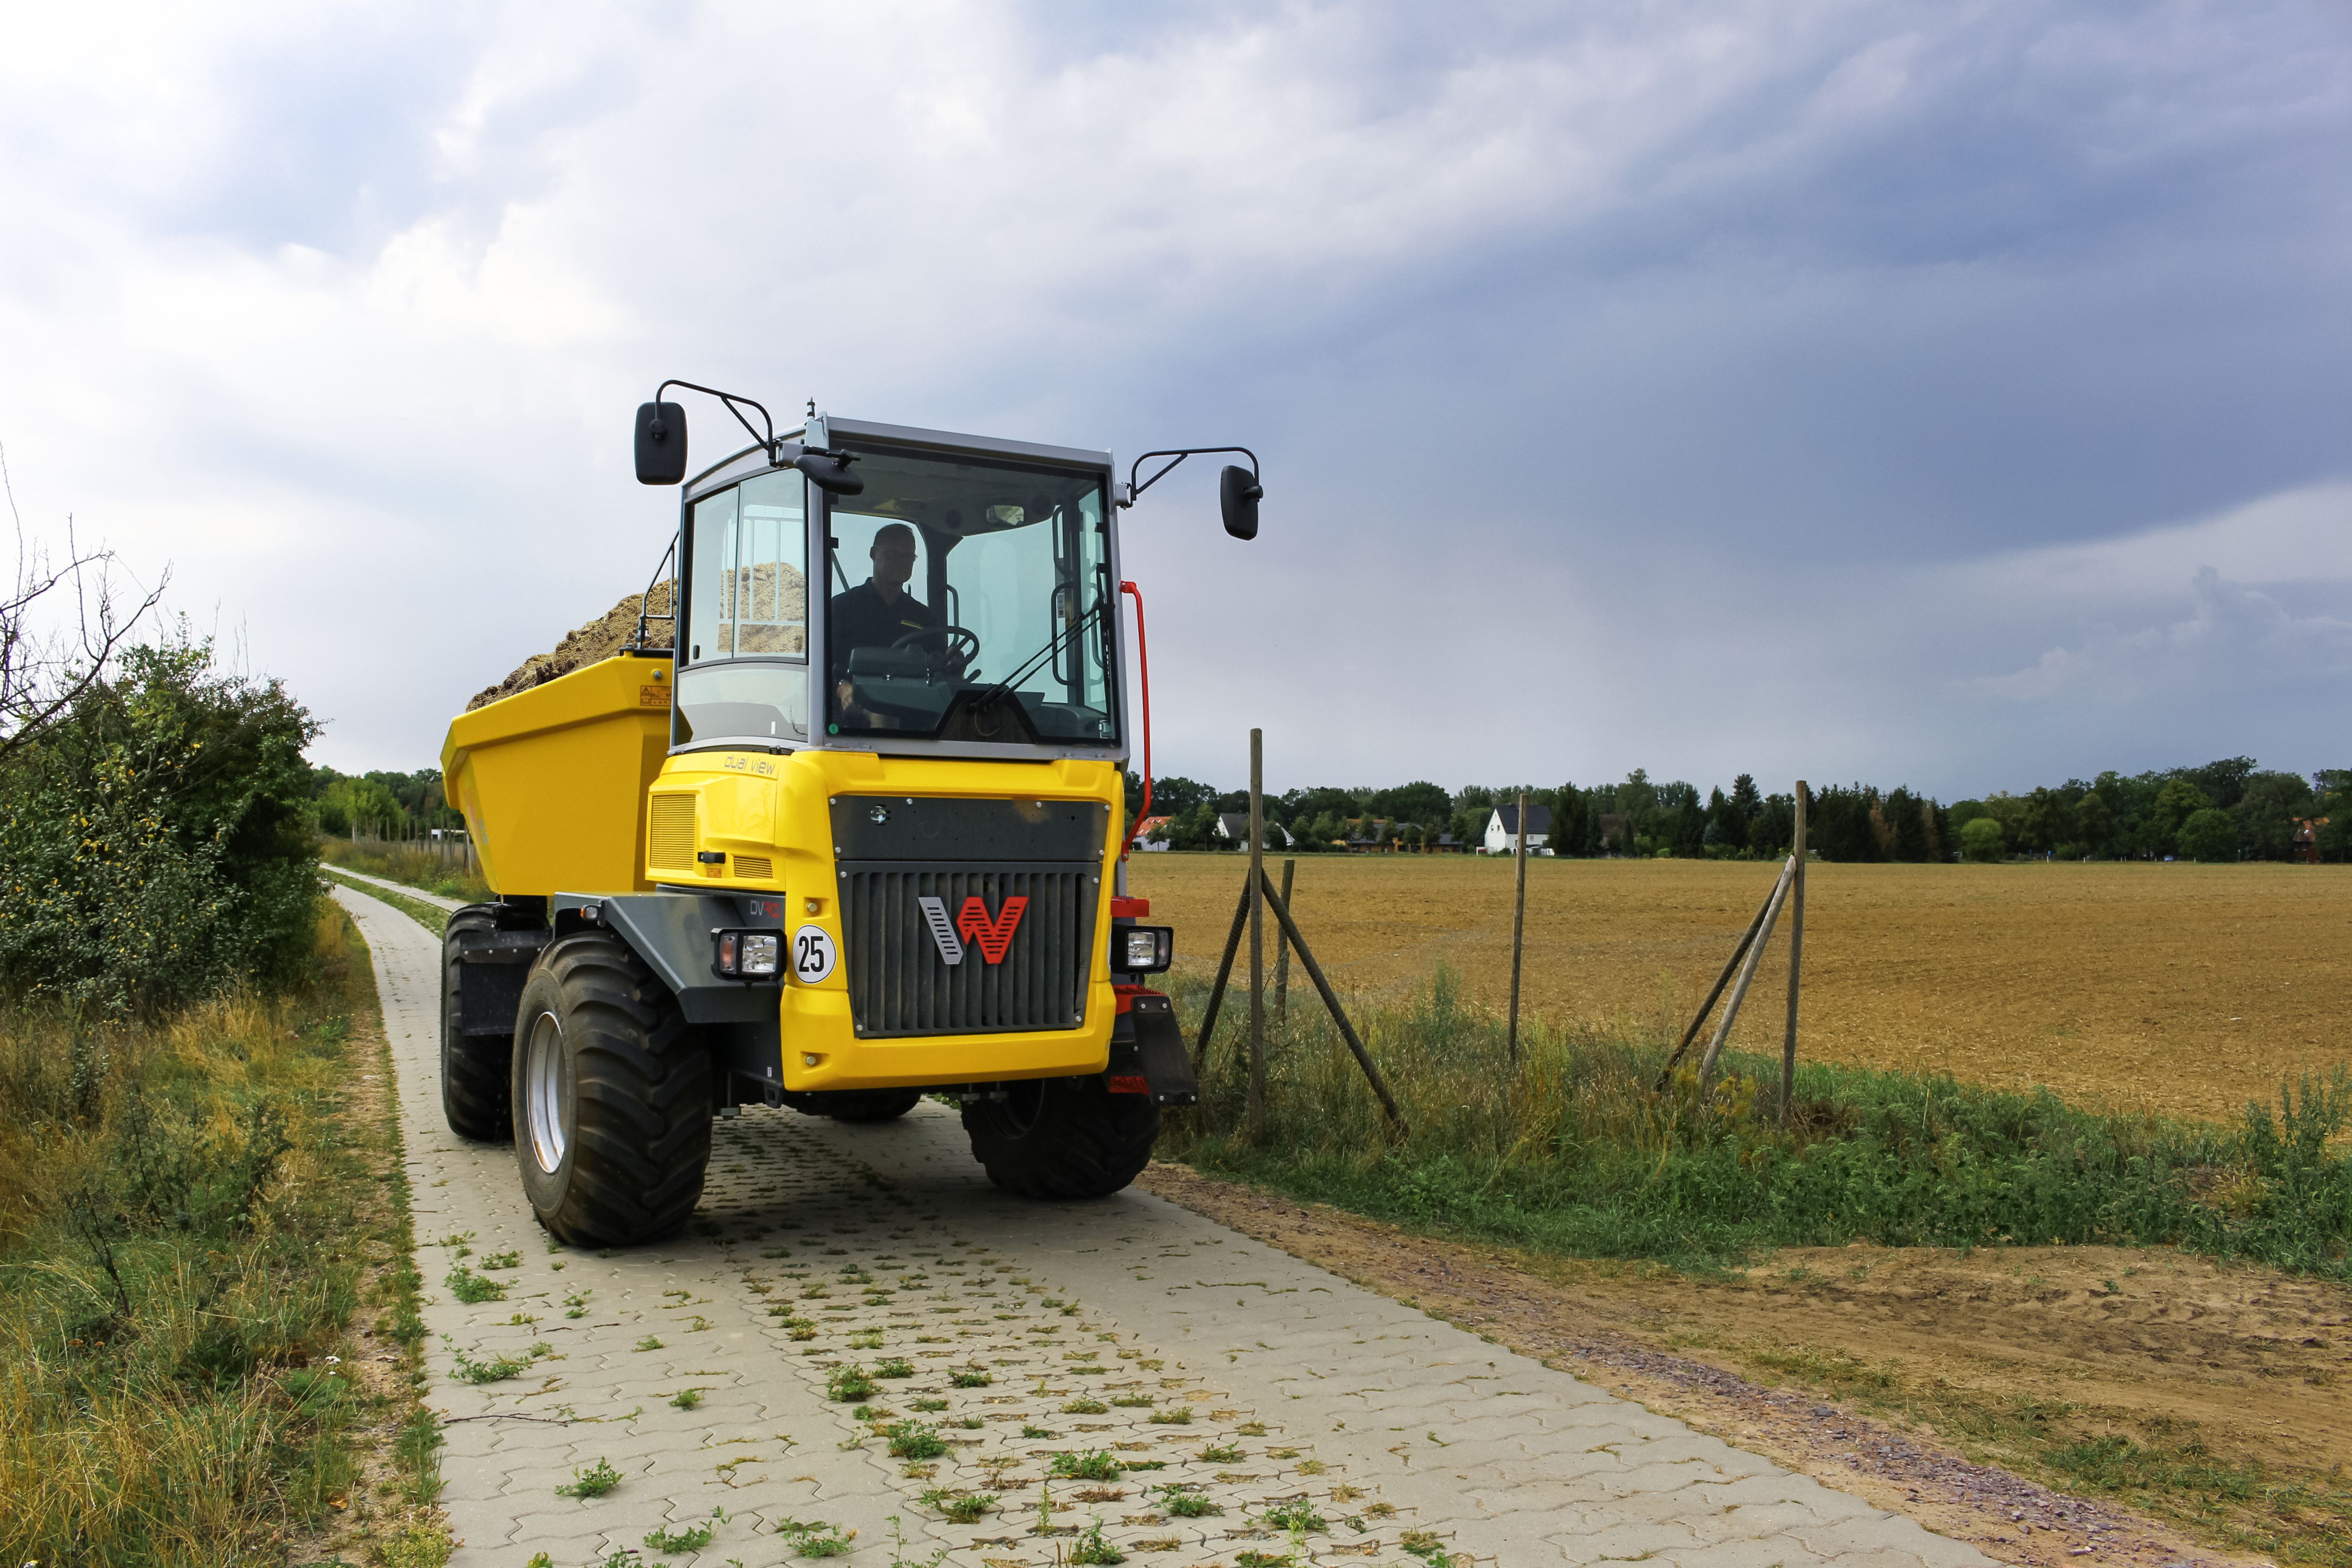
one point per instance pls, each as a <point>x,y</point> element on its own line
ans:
<point>1175,457</point>
<point>767,442</point>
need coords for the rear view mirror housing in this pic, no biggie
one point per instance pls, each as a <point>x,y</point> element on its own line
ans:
<point>661,443</point>
<point>830,472</point>
<point>1238,493</point>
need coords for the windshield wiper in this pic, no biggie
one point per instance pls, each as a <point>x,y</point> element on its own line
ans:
<point>1029,666</point>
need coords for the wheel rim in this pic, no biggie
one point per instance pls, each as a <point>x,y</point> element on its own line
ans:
<point>1023,1103</point>
<point>547,1074</point>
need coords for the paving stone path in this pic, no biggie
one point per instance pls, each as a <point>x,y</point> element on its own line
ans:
<point>858,1333</point>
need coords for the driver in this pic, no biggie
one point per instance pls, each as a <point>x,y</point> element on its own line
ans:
<point>879,611</point>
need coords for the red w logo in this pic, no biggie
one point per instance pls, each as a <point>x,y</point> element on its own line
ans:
<point>992,935</point>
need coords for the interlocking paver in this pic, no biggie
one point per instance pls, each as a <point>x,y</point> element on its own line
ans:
<point>998,1327</point>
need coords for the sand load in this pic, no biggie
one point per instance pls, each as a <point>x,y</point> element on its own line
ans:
<point>599,639</point>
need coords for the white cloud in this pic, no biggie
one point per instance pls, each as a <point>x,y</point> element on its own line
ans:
<point>343,309</point>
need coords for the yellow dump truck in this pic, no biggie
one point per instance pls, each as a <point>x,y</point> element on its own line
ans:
<point>827,849</point>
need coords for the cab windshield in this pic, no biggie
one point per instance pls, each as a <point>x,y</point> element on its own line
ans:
<point>970,601</point>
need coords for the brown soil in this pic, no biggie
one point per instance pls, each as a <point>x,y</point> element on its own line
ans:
<point>1907,1377</point>
<point>600,639</point>
<point>2186,990</point>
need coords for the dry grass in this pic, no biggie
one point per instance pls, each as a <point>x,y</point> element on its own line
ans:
<point>194,1227</point>
<point>2180,990</point>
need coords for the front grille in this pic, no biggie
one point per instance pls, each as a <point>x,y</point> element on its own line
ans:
<point>671,841</point>
<point>754,868</point>
<point>900,983</point>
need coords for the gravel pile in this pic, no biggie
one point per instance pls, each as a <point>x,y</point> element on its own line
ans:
<point>599,639</point>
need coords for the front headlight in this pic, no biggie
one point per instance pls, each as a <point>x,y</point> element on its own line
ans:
<point>1142,950</point>
<point>747,954</point>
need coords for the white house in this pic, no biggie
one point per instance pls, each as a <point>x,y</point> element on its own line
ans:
<point>1148,826</point>
<point>1233,826</point>
<point>1503,830</point>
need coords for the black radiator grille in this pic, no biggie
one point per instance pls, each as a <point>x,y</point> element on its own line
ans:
<point>901,984</point>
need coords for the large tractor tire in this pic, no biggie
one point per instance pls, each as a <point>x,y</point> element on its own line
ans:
<point>1062,1137</point>
<point>612,1096</point>
<point>858,1104</point>
<point>476,1070</point>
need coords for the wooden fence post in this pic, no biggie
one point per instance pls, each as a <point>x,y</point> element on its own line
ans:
<point>1519,929</point>
<point>1282,954</point>
<point>1331,1000</point>
<point>1747,973</point>
<point>1796,966</point>
<point>1256,934</point>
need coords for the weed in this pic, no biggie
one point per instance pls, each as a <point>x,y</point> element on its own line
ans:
<point>1095,1464</point>
<point>1135,1401</point>
<point>594,1481</point>
<point>1031,1430</point>
<point>1425,1545</point>
<point>693,1537</point>
<point>1247,1559</point>
<point>964,1508</point>
<point>471,1287</point>
<point>849,1383</point>
<point>1091,1547</point>
<point>894,1367</point>
<point>1179,1416</point>
<point>1085,1407</point>
<point>508,1259</point>
<point>1222,1454</point>
<point>815,1539</point>
<point>497,1369</point>
<point>899,1558</point>
<point>913,1440</point>
<point>1184,1500</point>
<point>687,1399</point>
<point>576,1304</point>
<point>970,1378</point>
<point>930,1405</point>
<point>1299,1514</point>
<point>650,1343</point>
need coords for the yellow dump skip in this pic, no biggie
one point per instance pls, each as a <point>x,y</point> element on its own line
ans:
<point>552,780</point>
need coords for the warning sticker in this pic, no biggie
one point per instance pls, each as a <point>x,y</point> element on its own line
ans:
<point>653,696</point>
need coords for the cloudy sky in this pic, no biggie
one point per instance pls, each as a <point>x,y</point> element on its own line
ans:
<point>1957,394</point>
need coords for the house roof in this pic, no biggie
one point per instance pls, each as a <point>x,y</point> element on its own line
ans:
<point>1539,819</point>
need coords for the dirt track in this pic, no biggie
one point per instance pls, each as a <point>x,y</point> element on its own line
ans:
<point>2181,989</point>
<point>2241,1367</point>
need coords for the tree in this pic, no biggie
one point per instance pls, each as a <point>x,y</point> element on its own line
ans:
<point>156,842</point>
<point>1727,826</point>
<point>2266,813</point>
<point>46,666</point>
<point>2176,800</point>
<point>2094,825</point>
<point>1980,840</point>
<point>1419,801</point>
<point>1175,796</point>
<point>2209,834</point>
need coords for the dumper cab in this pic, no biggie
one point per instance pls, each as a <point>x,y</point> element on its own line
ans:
<point>846,830</point>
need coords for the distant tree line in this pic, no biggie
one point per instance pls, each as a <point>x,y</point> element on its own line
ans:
<point>2227,810</point>
<point>380,804</point>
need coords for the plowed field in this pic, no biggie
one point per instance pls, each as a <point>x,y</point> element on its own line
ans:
<point>2177,988</point>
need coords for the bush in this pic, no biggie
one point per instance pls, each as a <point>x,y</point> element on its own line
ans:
<point>155,846</point>
<point>1980,840</point>
<point>2208,835</point>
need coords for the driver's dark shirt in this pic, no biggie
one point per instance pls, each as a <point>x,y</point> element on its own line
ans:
<point>860,618</point>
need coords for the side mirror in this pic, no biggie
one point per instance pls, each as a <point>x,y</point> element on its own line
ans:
<point>830,474</point>
<point>661,443</point>
<point>1238,493</point>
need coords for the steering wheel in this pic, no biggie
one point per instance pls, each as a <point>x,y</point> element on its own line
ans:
<point>956,637</point>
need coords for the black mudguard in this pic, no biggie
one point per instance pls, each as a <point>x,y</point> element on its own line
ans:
<point>1147,1054</point>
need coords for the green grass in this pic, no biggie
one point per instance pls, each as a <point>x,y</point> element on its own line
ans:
<point>431,917</point>
<point>1575,1153</point>
<point>420,869</point>
<point>182,1270</point>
